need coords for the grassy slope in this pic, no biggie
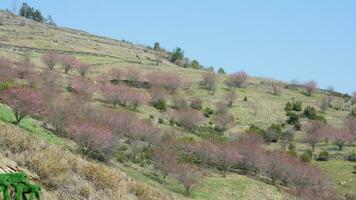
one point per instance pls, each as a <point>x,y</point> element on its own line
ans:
<point>262,107</point>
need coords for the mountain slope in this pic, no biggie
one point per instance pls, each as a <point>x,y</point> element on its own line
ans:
<point>256,105</point>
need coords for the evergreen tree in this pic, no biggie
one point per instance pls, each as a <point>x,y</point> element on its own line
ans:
<point>178,54</point>
<point>221,71</point>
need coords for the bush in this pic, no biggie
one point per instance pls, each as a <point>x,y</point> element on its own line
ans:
<point>245,98</point>
<point>209,81</point>
<point>208,111</point>
<point>273,133</point>
<point>297,106</point>
<point>160,104</point>
<point>160,120</point>
<point>323,156</point>
<point>188,118</point>
<point>5,85</point>
<point>196,104</point>
<point>255,129</point>
<point>310,113</point>
<point>307,156</point>
<point>293,118</point>
<point>352,156</point>
<point>288,107</point>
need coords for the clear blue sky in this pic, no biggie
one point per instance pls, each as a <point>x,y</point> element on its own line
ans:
<point>279,39</point>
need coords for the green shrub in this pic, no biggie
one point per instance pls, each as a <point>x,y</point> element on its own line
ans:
<point>245,98</point>
<point>289,106</point>
<point>353,113</point>
<point>323,156</point>
<point>5,86</point>
<point>307,156</point>
<point>160,120</point>
<point>310,113</point>
<point>320,118</point>
<point>273,133</point>
<point>160,104</point>
<point>255,129</point>
<point>352,156</point>
<point>207,112</point>
<point>297,106</point>
<point>293,118</point>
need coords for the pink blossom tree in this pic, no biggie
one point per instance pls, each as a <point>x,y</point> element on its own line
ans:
<point>50,59</point>
<point>310,87</point>
<point>188,175</point>
<point>23,101</point>
<point>209,81</point>
<point>7,71</point>
<point>316,132</point>
<point>83,87</point>
<point>350,124</point>
<point>230,98</point>
<point>238,79</point>
<point>95,139</point>
<point>223,121</point>
<point>83,68</point>
<point>165,161</point>
<point>168,80</point>
<point>188,118</point>
<point>68,62</point>
<point>340,137</point>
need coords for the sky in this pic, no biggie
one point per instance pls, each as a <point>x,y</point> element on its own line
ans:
<point>280,39</point>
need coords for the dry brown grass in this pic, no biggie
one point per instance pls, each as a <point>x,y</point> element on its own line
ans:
<point>64,175</point>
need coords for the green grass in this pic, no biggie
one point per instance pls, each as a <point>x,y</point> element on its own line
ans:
<point>341,173</point>
<point>34,129</point>
<point>211,187</point>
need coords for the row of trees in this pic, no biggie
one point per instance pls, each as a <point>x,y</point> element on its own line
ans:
<point>245,156</point>
<point>318,131</point>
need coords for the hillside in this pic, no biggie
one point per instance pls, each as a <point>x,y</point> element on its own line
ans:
<point>83,102</point>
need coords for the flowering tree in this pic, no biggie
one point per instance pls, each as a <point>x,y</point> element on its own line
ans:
<point>7,71</point>
<point>350,124</point>
<point>340,137</point>
<point>238,79</point>
<point>188,175</point>
<point>68,62</point>
<point>50,59</point>
<point>277,89</point>
<point>111,94</point>
<point>117,74</point>
<point>223,121</point>
<point>95,139</point>
<point>165,161</point>
<point>310,87</point>
<point>168,80</point>
<point>133,76</point>
<point>221,107</point>
<point>209,81</point>
<point>316,132</point>
<point>83,87</point>
<point>83,68</point>
<point>188,118</point>
<point>24,68</point>
<point>119,94</point>
<point>230,98</point>
<point>23,101</point>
